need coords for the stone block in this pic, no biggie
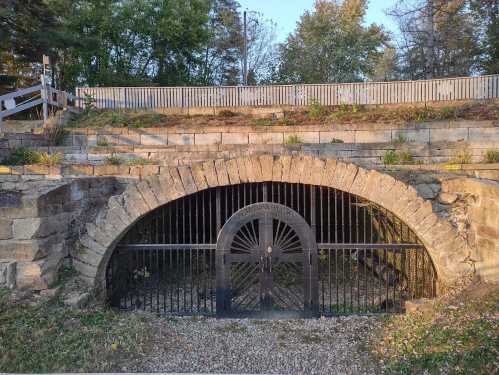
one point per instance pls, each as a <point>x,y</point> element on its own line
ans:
<point>181,139</point>
<point>266,138</point>
<point>154,139</point>
<point>222,175</point>
<point>448,135</point>
<point>256,169</point>
<point>39,227</point>
<point>8,274</point>
<point>187,179</point>
<point>5,229</point>
<point>483,134</point>
<point>233,171</point>
<point>241,166</point>
<point>373,136</point>
<point>210,173</point>
<point>330,136</point>
<point>411,136</point>
<point>235,138</point>
<point>198,175</point>
<point>148,195</point>
<point>208,139</point>
<point>77,170</point>
<point>267,164</point>
<point>304,137</point>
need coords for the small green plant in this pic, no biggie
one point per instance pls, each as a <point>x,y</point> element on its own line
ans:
<point>293,140</point>
<point>140,161</point>
<point>51,160</point>
<point>462,156</point>
<point>316,110</point>
<point>406,157</point>
<point>399,140</point>
<point>336,140</point>
<point>492,156</point>
<point>286,121</point>
<point>137,125</point>
<point>114,160</point>
<point>22,156</point>
<point>102,142</point>
<point>88,103</point>
<point>391,158</point>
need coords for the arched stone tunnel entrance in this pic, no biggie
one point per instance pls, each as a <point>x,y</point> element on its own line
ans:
<point>269,235</point>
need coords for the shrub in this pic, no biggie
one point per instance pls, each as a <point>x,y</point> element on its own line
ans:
<point>55,135</point>
<point>462,156</point>
<point>88,102</point>
<point>51,159</point>
<point>114,160</point>
<point>102,142</point>
<point>399,140</point>
<point>22,156</point>
<point>406,157</point>
<point>391,158</point>
<point>492,156</point>
<point>293,140</point>
<point>316,110</point>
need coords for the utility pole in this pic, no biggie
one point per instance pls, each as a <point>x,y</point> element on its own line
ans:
<point>245,52</point>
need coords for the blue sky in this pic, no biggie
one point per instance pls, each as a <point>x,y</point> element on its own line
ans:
<point>287,12</point>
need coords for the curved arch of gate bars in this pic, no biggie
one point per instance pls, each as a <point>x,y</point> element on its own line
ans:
<point>446,249</point>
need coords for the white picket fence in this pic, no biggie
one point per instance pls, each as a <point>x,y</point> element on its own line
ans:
<point>466,88</point>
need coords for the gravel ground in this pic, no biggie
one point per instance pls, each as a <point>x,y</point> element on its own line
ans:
<point>324,346</point>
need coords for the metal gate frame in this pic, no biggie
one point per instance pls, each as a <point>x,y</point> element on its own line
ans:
<point>356,274</point>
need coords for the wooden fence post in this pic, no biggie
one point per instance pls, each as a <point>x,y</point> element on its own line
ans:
<point>44,96</point>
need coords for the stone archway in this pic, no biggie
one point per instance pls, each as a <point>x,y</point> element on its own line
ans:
<point>446,249</point>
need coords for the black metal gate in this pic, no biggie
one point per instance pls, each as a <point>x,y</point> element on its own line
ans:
<point>269,249</point>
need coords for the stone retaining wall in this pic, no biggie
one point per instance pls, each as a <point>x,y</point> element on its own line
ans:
<point>476,212</point>
<point>40,221</point>
<point>431,132</point>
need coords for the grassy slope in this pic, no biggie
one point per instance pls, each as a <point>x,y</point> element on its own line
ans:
<point>51,338</point>
<point>316,114</point>
<point>457,336</point>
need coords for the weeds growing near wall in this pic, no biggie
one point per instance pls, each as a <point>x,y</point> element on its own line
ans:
<point>492,156</point>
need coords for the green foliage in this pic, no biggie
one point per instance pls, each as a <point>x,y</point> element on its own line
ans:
<point>88,103</point>
<point>114,160</point>
<point>108,118</point>
<point>102,142</point>
<point>316,110</point>
<point>22,156</point>
<point>331,44</point>
<point>399,140</point>
<point>459,336</point>
<point>51,160</point>
<point>263,122</point>
<point>293,140</point>
<point>492,156</point>
<point>462,156</point>
<point>49,338</point>
<point>391,158</point>
<point>406,157</point>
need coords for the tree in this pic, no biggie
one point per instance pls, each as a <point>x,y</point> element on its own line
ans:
<point>486,16</point>
<point>331,44</point>
<point>262,49</point>
<point>221,53</point>
<point>439,38</point>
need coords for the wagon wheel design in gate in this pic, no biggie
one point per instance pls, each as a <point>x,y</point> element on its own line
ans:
<point>267,262</point>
